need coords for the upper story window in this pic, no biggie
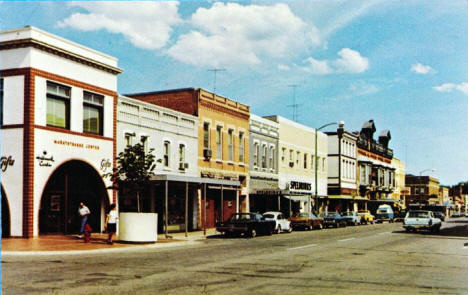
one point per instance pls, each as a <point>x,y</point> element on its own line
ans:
<point>324,164</point>
<point>305,161</point>
<point>129,138</point>
<point>181,156</point>
<point>144,142</point>
<point>167,149</point>
<point>230,145</point>
<point>93,105</point>
<point>219,142</point>
<point>272,159</point>
<point>1,101</point>
<point>255,155</point>
<point>241,147</point>
<point>206,135</point>
<point>283,154</point>
<point>58,105</point>
<point>298,158</point>
<point>291,158</point>
<point>264,156</point>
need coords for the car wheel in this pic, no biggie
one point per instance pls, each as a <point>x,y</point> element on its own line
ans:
<point>290,229</point>
<point>278,229</point>
<point>253,233</point>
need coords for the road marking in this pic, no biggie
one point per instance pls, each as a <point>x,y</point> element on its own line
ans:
<point>302,247</point>
<point>346,240</point>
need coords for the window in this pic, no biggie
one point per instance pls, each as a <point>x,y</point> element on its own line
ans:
<point>167,145</point>
<point>93,105</point>
<point>255,156</point>
<point>291,158</point>
<point>324,164</point>
<point>144,142</point>
<point>206,135</point>
<point>1,101</point>
<point>230,145</point>
<point>264,156</point>
<point>129,138</point>
<point>298,158</point>
<point>58,105</point>
<point>219,142</point>
<point>181,156</point>
<point>241,147</point>
<point>312,161</point>
<point>272,159</point>
<point>305,161</point>
<point>283,154</point>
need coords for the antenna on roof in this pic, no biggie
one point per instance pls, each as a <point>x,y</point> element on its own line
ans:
<point>294,105</point>
<point>214,78</point>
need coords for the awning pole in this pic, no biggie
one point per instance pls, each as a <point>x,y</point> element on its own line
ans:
<point>204,210</point>
<point>167,209</point>
<point>186,209</point>
<point>222,203</point>
<point>279,203</point>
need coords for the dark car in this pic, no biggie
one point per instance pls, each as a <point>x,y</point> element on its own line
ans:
<point>248,224</point>
<point>439,215</point>
<point>306,221</point>
<point>333,219</point>
<point>399,216</point>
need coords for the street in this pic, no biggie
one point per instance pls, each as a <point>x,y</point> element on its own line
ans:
<point>368,259</point>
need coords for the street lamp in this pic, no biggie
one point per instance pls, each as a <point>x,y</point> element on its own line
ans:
<point>316,162</point>
<point>420,182</point>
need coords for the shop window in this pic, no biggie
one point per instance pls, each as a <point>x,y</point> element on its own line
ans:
<point>206,135</point>
<point>167,147</point>
<point>93,105</point>
<point>58,105</point>
<point>219,142</point>
<point>241,147</point>
<point>1,101</point>
<point>230,145</point>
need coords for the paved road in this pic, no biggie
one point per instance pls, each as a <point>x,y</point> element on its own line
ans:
<point>372,259</point>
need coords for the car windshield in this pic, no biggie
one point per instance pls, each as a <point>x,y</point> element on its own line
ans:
<point>382,211</point>
<point>268,215</point>
<point>418,214</point>
<point>240,217</point>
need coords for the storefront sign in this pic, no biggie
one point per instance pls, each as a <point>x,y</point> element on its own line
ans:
<point>45,161</point>
<point>76,144</point>
<point>105,164</point>
<point>296,185</point>
<point>7,161</point>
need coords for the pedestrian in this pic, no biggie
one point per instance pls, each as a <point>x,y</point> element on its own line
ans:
<point>87,232</point>
<point>84,213</point>
<point>111,223</point>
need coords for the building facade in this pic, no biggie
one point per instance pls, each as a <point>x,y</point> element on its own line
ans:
<point>296,165</point>
<point>400,191</point>
<point>223,147</point>
<point>422,189</point>
<point>376,175</point>
<point>342,170</point>
<point>264,193</point>
<point>173,137</point>
<point>58,104</point>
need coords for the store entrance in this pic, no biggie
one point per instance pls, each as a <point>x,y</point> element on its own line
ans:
<point>5,216</point>
<point>70,184</point>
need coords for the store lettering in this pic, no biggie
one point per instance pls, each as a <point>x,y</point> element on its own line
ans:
<point>300,185</point>
<point>45,161</point>
<point>7,161</point>
<point>76,144</point>
<point>105,164</point>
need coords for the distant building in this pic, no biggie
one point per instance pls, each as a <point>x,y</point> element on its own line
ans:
<point>400,191</point>
<point>422,189</point>
<point>459,196</point>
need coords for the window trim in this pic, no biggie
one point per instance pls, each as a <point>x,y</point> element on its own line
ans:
<point>65,99</point>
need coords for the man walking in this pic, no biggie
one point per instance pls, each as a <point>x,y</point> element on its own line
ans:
<point>84,212</point>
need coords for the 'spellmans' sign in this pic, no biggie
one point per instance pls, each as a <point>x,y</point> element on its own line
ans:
<point>300,185</point>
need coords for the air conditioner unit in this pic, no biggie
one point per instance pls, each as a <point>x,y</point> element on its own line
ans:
<point>291,164</point>
<point>186,165</point>
<point>207,154</point>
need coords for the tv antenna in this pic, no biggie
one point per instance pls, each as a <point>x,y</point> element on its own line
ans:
<point>214,78</point>
<point>294,105</point>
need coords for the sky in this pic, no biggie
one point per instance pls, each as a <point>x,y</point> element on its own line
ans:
<point>403,64</point>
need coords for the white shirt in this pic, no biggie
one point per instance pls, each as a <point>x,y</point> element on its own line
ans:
<point>84,211</point>
<point>113,216</point>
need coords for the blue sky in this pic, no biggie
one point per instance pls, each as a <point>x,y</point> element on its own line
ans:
<point>403,64</point>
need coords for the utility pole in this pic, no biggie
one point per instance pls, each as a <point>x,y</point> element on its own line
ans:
<point>214,78</point>
<point>294,105</point>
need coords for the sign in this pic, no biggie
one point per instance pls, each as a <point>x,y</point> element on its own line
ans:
<point>7,161</point>
<point>105,164</point>
<point>296,185</point>
<point>45,161</point>
<point>76,144</point>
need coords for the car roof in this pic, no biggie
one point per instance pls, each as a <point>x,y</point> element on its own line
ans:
<point>273,212</point>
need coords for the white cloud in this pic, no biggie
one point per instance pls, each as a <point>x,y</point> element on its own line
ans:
<point>146,25</point>
<point>421,69</point>
<point>230,34</point>
<point>282,67</point>
<point>350,62</point>
<point>449,87</point>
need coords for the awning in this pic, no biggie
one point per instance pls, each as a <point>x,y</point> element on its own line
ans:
<point>194,179</point>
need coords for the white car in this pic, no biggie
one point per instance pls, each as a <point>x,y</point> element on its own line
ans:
<point>282,224</point>
<point>421,219</point>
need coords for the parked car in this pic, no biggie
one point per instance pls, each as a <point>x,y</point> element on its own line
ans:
<point>306,221</point>
<point>456,215</point>
<point>421,219</point>
<point>384,213</point>
<point>399,216</point>
<point>248,224</point>
<point>333,219</point>
<point>282,224</point>
<point>351,218</point>
<point>366,216</point>
<point>439,215</point>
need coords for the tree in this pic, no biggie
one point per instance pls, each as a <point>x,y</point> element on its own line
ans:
<point>134,168</point>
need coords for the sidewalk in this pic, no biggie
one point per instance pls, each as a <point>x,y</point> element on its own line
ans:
<point>71,244</point>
